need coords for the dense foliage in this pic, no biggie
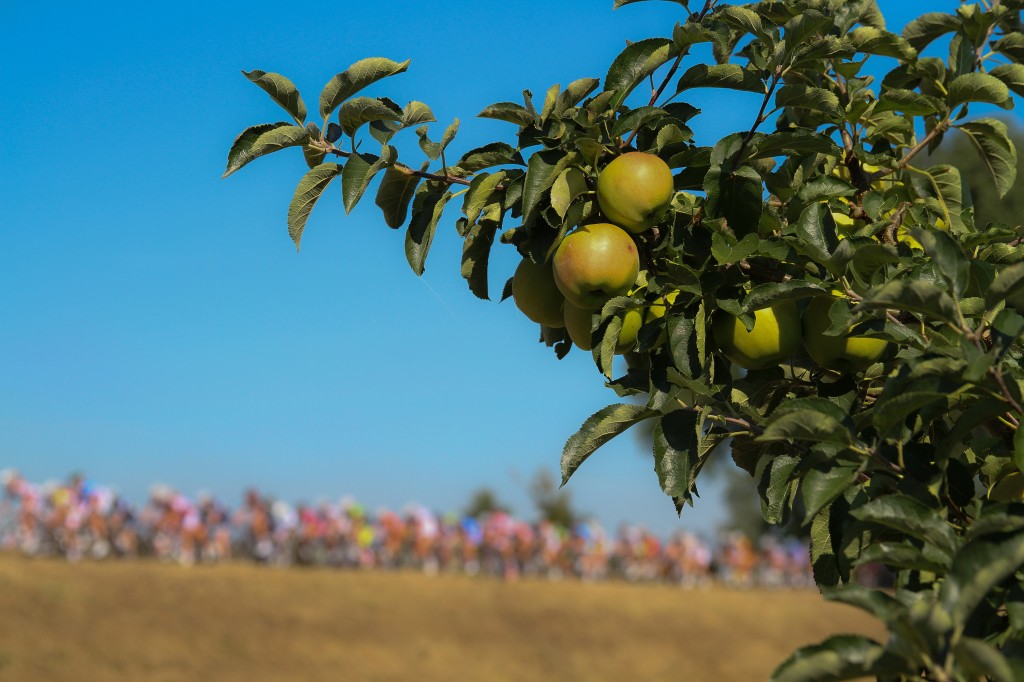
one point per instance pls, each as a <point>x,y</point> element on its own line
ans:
<point>912,459</point>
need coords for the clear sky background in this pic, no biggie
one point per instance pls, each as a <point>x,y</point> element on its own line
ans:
<point>157,324</point>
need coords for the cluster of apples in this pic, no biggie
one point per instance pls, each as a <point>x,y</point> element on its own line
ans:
<point>780,330</point>
<point>599,261</point>
<point>847,225</point>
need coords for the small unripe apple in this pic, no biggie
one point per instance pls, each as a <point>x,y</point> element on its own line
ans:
<point>595,263</point>
<point>774,337</point>
<point>635,190</point>
<point>536,295</point>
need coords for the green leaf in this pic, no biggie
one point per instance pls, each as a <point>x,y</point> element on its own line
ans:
<point>480,193</point>
<point>427,207</point>
<point>977,569</point>
<point>982,661</point>
<point>306,194</point>
<point>904,556</point>
<point>597,430</point>
<point>1012,75</point>
<point>776,486</point>
<point>493,154</point>
<point>840,657</point>
<point>263,139</point>
<point>942,182</point>
<point>638,61</point>
<point>550,99</point>
<point>569,184</point>
<point>926,28</point>
<point>823,555</point>
<point>730,76</point>
<point>314,154</point>
<point>801,29</point>
<point>947,256</point>
<point>824,187</point>
<point>1007,284</point>
<point>770,293</point>
<point>806,425</point>
<point>509,112</point>
<point>907,515</point>
<point>1011,45</point>
<point>876,602</point>
<point>817,232</point>
<point>793,143</point>
<point>907,101</point>
<point>394,194</point>
<point>978,413</point>
<point>676,453</point>
<point>414,113</point>
<point>542,170</point>
<point>476,250</point>
<point>870,40</point>
<point>726,250</point>
<point>449,134</point>
<point>637,118</point>
<point>976,87</point>
<point>893,410</point>
<point>430,148</point>
<point>742,18</point>
<point>353,79</point>
<point>735,196</point>
<point>281,90</point>
<point>991,138</point>
<point>807,97</point>
<point>358,172</point>
<point>358,111</point>
<point>575,92</point>
<point>820,488</point>
<point>918,296</point>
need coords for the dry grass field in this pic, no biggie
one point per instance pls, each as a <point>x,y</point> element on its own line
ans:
<point>145,622</point>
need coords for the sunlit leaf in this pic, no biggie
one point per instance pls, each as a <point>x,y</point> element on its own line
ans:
<point>597,430</point>
<point>394,194</point>
<point>263,139</point>
<point>357,111</point>
<point>633,65</point>
<point>427,207</point>
<point>991,138</point>
<point>353,79</point>
<point>309,190</point>
<point>281,90</point>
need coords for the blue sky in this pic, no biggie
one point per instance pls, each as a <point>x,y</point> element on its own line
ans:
<point>156,323</point>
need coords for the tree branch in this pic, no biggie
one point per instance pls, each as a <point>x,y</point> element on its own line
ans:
<point>979,54</point>
<point>761,118</point>
<point>406,170</point>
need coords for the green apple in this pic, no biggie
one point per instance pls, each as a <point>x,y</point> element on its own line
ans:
<point>536,295</point>
<point>774,337</point>
<point>595,263</point>
<point>635,190</point>
<point>849,353</point>
<point>577,323</point>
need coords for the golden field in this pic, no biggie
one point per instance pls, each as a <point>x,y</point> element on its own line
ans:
<point>146,622</point>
